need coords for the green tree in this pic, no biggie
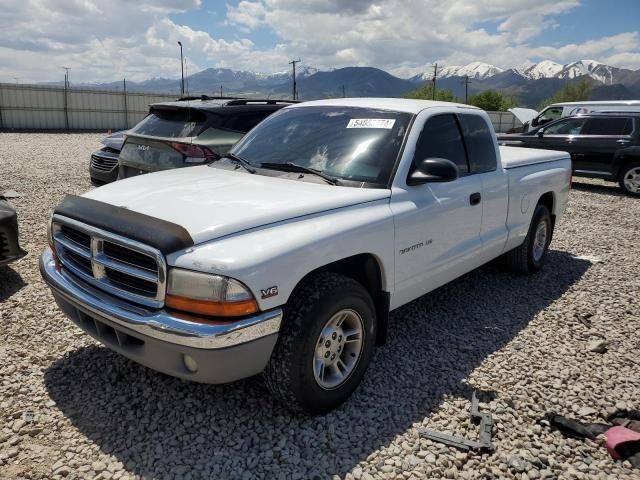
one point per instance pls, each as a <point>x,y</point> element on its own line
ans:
<point>492,101</point>
<point>573,92</point>
<point>425,92</point>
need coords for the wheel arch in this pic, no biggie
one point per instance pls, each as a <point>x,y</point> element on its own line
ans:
<point>548,199</point>
<point>366,269</point>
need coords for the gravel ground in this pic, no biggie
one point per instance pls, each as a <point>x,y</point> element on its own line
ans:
<point>71,408</point>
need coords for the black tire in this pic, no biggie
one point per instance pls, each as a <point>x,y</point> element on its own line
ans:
<point>624,171</point>
<point>522,258</point>
<point>289,376</point>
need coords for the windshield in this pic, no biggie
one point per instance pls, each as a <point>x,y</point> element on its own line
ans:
<point>350,143</point>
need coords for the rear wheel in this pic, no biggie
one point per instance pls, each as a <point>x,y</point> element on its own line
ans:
<point>529,257</point>
<point>630,179</point>
<point>325,344</point>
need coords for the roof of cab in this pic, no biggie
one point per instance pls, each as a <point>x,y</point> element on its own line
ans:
<point>395,104</point>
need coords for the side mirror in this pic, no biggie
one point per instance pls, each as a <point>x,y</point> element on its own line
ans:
<point>541,133</point>
<point>534,122</point>
<point>433,170</point>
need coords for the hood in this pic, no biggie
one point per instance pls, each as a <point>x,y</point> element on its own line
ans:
<point>524,114</point>
<point>210,202</point>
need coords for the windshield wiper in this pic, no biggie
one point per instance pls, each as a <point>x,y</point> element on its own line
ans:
<point>294,167</point>
<point>241,161</point>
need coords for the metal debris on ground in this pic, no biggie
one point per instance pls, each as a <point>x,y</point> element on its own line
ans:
<point>486,426</point>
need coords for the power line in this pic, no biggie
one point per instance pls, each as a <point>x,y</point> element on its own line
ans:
<point>295,87</point>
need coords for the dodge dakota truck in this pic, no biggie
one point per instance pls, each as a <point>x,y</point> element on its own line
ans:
<point>286,256</point>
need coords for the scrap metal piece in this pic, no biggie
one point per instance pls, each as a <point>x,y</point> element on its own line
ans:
<point>486,427</point>
<point>486,423</point>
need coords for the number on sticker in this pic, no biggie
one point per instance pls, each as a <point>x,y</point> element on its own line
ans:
<point>386,123</point>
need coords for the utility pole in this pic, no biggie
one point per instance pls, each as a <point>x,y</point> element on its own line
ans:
<point>466,83</point>
<point>66,76</point>
<point>181,70</point>
<point>66,100</point>
<point>126,114</point>
<point>435,77</point>
<point>295,87</point>
<point>220,90</point>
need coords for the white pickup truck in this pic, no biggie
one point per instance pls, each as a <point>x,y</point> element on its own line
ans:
<point>286,257</point>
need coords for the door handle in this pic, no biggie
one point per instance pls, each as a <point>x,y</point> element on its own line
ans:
<point>570,140</point>
<point>622,141</point>
<point>474,198</point>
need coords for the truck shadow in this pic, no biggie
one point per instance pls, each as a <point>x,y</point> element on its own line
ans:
<point>160,426</point>
<point>10,282</point>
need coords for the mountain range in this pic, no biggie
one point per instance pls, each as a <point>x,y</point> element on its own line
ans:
<point>530,83</point>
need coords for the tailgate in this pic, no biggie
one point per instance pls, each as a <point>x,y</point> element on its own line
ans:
<point>148,155</point>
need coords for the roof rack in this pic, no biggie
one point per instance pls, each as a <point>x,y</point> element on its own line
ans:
<point>267,101</point>
<point>205,97</point>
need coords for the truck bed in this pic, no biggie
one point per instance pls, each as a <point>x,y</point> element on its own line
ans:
<point>514,157</point>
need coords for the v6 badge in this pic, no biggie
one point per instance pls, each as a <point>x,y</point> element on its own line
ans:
<point>269,292</point>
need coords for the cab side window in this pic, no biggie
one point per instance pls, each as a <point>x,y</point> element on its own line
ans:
<point>482,149</point>
<point>441,137</point>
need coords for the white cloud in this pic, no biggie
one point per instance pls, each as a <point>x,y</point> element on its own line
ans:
<point>104,41</point>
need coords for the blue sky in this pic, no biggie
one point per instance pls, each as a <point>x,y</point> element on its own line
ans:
<point>103,41</point>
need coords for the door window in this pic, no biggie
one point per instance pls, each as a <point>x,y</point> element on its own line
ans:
<point>552,113</point>
<point>570,126</point>
<point>482,152</point>
<point>441,138</point>
<point>608,126</point>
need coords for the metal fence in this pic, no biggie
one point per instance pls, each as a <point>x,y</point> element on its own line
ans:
<point>503,121</point>
<point>40,107</point>
<point>44,107</point>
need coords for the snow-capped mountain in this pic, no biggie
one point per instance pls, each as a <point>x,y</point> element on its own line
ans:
<point>544,69</point>
<point>477,70</point>
<point>596,70</point>
<point>531,71</point>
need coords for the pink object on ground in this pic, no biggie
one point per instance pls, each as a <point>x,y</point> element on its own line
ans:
<point>617,436</point>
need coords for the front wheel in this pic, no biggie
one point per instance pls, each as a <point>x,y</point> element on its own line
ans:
<point>325,344</point>
<point>630,179</point>
<point>529,257</point>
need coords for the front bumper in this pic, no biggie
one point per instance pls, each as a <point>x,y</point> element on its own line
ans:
<point>10,250</point>
<point>103,167</point>
<point>159,339</point>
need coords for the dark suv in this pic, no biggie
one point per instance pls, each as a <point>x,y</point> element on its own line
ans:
<point>190,132</point>
<point>602,145</point>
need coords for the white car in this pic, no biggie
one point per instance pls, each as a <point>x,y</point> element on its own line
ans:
<point>286,257</point>
<point>561,110</point>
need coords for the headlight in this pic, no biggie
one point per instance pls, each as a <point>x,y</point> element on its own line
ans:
<point>206,294</point>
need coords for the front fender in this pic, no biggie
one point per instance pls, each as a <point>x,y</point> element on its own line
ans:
<point>281,254</point>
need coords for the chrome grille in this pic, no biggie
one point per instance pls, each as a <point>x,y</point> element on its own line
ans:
<point>120,266</point>
<point>103,164</point>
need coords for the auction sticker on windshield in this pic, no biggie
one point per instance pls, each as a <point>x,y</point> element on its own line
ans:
<point>386,123</point>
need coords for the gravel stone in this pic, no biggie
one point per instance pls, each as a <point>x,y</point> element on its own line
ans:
<point>524,340</point>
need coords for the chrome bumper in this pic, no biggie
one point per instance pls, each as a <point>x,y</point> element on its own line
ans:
<point>225,351</point>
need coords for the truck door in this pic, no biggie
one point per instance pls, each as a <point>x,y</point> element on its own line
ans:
<point>483,163</point>
<point>437,224</point>
<point>600,140</point>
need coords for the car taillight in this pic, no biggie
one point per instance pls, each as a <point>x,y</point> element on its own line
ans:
<point>194,153</point>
